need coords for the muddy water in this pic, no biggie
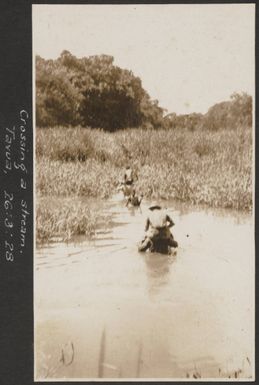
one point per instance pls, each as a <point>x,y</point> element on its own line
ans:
<point>104,310</point>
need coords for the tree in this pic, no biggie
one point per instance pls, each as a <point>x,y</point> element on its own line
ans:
<point>189,121</point>
<point>230,114</point>
<point>57,99</point>
<point>91,91</point>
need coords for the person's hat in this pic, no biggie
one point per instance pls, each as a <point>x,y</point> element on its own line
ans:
<point>154,205</point>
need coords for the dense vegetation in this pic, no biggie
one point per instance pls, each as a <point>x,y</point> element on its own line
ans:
<point>212,169</point>
<point>195,158</point>
<point>91,92</point>
<point>231,114</point>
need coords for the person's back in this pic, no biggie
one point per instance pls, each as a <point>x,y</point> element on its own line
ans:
<point>158,218</point>
<point>157,229</point>
<point>128,176</point>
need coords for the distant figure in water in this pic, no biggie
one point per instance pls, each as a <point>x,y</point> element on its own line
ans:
<point>158,235</point>
<point>129,176</point>
<point>134,200</point>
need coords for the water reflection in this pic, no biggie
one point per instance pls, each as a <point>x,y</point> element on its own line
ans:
<point>158,272</point>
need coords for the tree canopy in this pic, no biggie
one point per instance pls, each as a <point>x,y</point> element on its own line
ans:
<point>230,114</point>
<point>92,91</point>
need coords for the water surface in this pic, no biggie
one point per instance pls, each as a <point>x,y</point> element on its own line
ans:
<point>104,310</point>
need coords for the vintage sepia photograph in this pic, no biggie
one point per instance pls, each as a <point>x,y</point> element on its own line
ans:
<point>144,255</point>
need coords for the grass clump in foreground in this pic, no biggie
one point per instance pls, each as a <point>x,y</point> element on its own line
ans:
<point>197,167</point>
<point>60,220</point>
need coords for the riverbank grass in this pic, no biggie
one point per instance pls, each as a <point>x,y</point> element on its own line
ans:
<point>212,168</point>
<point>61,219</point>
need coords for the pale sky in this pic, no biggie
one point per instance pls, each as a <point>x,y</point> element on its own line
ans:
<point>188,57</point>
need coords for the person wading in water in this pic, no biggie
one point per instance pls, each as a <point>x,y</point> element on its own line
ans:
<point>157,228</point>
<point>134,200</point>
<point>129,176</point>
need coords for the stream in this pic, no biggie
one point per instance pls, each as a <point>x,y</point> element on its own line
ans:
<point>104,310</point>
